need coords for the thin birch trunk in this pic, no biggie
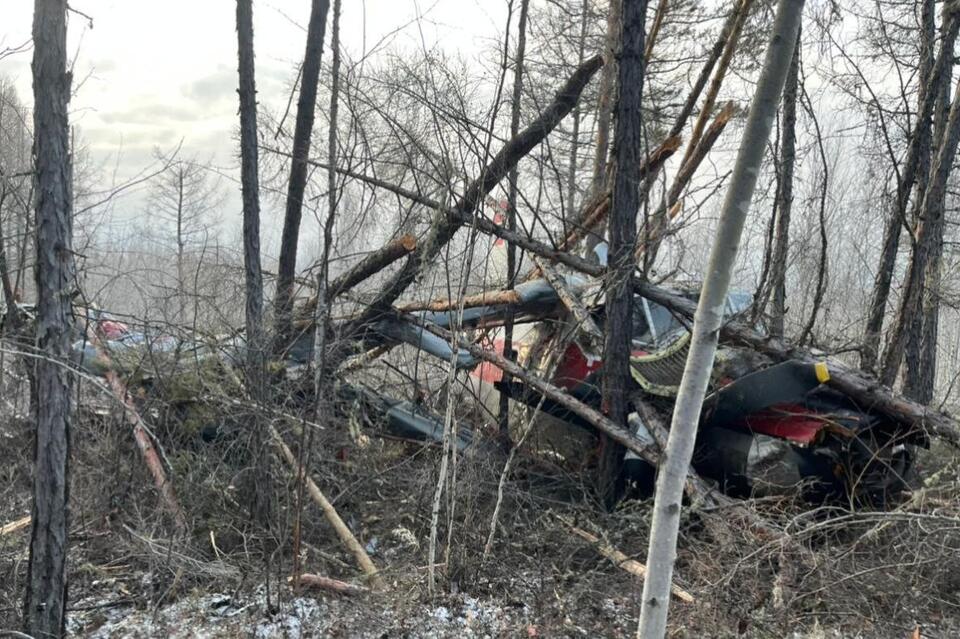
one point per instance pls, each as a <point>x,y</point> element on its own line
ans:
<point>708,319</point>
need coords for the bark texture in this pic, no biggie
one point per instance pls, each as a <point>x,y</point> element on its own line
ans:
<point>46,588</point>
<point>784,204</point>
<point>503,414</point>
<point>907,176</point>
<point>625,204</point>
<point>708,319</point>
<point>250,188</point>
<point>921,349</point>
<point>253,275</point>
<point>306,105</point>
<point>926,247</point>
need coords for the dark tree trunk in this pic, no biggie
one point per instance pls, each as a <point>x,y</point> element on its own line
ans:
<point>921,347</point>
<point>46,592</point>
<point>628,136</point>
<point>306,105</point>
<point>250,186</point>
<point>253,277</point>
<point>788,156</point>
<point>926,247</point>
<point>503,416</point>
<point>905,181</point>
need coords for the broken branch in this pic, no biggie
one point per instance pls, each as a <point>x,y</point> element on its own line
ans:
<point>309,580</point>
<point>346,536</point>
<point>622,561</point>
<point>14,526</point>
<point>569,299</point>
<point>448,222</point>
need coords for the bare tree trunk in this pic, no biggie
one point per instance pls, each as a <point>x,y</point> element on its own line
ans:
<point>503,416</point>
<point>260,497</point>
<point>306,104</point>
<point>571,212</point>
<point>322,311</point>
<point>905,181</point>
<point>9,296</point>
<point>250,187</point>
<point>926,246</point>
<point>46,592</point>
<point>708,319</point>
<point>921,348</point>
<point>625,204</point>
<point>181,248</point>
<point>823,262</point>
<point>788,157</point>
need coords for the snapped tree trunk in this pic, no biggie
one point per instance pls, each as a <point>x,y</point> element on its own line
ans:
<point>708,319</point>
<point>607,92</point>
<point>625,203</point>
<point>729,48</point>
<point>449,221</point>
<point>303,130</point>
<point>46,589</point>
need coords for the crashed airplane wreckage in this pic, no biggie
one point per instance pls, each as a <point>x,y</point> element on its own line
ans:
<point>769,424</point>
<point>776,416</point>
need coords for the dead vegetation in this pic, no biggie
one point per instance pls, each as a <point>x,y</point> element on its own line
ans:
<point>375,462</point>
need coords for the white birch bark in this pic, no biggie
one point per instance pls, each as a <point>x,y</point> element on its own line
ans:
<point>707,320</point>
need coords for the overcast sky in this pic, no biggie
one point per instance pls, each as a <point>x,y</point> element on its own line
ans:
<point>152,74</point>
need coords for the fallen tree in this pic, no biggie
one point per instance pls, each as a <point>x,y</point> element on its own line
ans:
<point>866,390</point>
<point>448,221</point>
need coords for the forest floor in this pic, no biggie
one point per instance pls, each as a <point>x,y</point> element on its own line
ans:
<point>838,573</point>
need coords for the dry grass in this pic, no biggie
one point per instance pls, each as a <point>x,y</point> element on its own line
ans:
<point>870,574</point>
